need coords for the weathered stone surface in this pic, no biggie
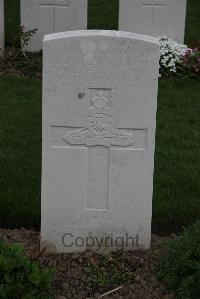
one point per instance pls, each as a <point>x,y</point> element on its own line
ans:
<point>154,17</point>
<point>99,120</point>
<point>1,26</point>
<point>50,16</point>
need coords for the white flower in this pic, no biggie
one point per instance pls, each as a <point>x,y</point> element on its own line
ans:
<point>170,53</point>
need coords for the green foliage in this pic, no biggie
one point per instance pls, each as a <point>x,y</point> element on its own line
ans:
<point>21,278</point>
<point>16,60</point>
<point>108,270</point>
<point>26,36</point>
<point>179,268</point>
<point>23,36</point>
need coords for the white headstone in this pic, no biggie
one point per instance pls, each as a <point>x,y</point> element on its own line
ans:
<point>1,26</point>
<point>99,120</point>
<point>50,16</point>
<point>154,17</point>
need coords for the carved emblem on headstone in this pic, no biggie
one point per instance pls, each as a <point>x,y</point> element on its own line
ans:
<point>100,129</point>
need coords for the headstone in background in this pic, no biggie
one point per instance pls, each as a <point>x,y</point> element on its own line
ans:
<point>99,120</point>
<point>50,16</point>
<point>154,17</point>
<point>2,36</point>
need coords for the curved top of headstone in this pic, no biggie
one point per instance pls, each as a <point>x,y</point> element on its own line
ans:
<point>101,33</point>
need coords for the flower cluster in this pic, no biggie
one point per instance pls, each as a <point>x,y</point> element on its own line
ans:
<point>191,60</point>
<point>171,53</point>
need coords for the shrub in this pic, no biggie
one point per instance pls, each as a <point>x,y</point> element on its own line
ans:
<point>20,39</point>
<point>191,61</point>
<point>179,268</point>
<point>171,53</point>
<point>21,278</point>
<point>176,58</point>
<point>17,60</point>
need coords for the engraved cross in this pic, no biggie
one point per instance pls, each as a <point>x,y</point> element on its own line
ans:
<point>54,4</point>
<point>153,6</point>
<point>99,136</point>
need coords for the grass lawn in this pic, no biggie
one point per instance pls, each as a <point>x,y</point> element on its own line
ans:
<point>176,199</point>
<point>20,152</point>
<point>12,18</point>
<point>192,34</point>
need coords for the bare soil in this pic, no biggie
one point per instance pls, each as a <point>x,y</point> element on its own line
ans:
<point>73,281</point>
